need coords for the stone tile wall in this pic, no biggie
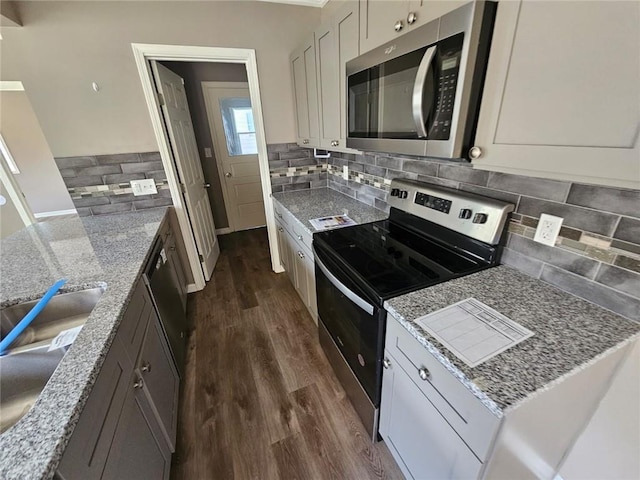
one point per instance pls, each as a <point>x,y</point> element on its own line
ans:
<point>596,256</point>
<point>100,185</point>
<point>294,168</point>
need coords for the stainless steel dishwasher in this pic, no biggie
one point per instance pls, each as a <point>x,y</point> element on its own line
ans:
<point>169,297</point>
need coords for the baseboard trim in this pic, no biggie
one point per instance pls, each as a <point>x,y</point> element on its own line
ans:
<point>223,231</point>
<point>191,288</point>
<point>55,213</point>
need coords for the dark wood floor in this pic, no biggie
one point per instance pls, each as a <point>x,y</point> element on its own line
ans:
<point>260,400</point>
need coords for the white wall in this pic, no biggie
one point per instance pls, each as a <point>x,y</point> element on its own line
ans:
<point>10,220</point>
<point>65,46</point>
<point>609,448</point>
<point>39,177</point>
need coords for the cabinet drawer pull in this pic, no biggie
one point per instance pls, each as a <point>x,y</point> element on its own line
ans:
<point>335,143</point>
<point>146,367</point>
<point>398,26</point>
<point>411,18</point>
<point>299,237</point>
<point>301,255</point>
<point>305,141</point>
<point>279,215</point>
<point>280,229</point>
<point>386,363</point>
<point>424,373</point>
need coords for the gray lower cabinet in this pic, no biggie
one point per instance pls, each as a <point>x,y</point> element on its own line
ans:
<point>128,426</point>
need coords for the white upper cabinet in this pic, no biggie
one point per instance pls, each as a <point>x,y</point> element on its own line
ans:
<point>384,20</point>
<point>562,92</point>
<point>305,93</point>
<point>337,42</point>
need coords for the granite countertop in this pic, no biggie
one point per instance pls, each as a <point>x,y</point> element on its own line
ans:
<point>568,333</point>
<point>107,251</point>
<point>305,205</point>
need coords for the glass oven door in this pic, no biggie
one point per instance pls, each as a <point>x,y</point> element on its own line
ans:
<point>355,323</point>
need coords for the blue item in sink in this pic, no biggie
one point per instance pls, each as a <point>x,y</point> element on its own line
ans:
<point>30,317</point>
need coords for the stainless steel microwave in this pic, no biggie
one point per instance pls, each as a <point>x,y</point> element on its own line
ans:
<point>420,94</point>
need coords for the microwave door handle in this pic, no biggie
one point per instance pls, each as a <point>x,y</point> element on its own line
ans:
<point>343,288</point>
<point>419,114</point>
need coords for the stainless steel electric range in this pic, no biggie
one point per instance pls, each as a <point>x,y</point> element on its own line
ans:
<point>433,234</point>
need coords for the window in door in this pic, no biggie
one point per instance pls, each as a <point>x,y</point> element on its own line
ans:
<point>239,129</point>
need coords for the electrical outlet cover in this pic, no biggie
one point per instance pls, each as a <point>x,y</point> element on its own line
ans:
<point>548,229</point>
<point>143,187</point>
<point>345,172</point>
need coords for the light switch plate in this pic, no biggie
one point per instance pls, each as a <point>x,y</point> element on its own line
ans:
<point>548,229</point>
<point>144,187</point>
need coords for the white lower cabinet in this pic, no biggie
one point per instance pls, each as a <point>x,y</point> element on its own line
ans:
<point>436,428</point>
<point>419,437</point>
<point>294,247</point>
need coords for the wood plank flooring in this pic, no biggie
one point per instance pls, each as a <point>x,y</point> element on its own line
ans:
<point>259,398</point>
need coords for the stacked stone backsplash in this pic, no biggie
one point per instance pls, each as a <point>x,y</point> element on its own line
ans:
<point>597,255</point>
<point>294,168</point>
<point>100,185</point>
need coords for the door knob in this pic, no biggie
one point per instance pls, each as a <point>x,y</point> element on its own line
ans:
<point>228,174</point>
<point>206,185</point>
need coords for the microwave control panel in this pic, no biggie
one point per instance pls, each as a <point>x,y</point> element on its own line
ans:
<point>447,67</point>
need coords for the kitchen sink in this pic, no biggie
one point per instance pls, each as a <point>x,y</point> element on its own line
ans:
<point>27,365</point>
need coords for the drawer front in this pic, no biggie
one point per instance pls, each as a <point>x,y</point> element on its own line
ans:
<point>282,214</point>
<point>475,424</point>
<point>301,234</point>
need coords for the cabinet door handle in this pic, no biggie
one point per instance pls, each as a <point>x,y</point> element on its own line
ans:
<point>386,363</point>
<point>475,152</point>
<point>305,142</point>
<point>139,383</point>
<point>424,373</point>
<point>335,143</point>
<point>280,229</point>
<point>301,255</point>
<point>206,185</point>
<point>398,26</point>
<point>146,367</point>
<point>299,237</point>
<point>279,215</point>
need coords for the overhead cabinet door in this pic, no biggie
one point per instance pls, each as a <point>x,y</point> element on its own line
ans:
<point>562,92</point>
<point>303,68</point>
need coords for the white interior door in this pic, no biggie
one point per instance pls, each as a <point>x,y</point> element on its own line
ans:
<point>185,151</point>
<point>234,139</point>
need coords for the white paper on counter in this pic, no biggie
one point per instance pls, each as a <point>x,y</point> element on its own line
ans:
<point>473,331</point>
<point>324,223</point>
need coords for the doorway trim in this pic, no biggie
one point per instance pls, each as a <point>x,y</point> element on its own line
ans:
<point>143,53</point>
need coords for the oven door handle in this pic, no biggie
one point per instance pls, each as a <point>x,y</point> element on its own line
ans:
<point>418,102</point>
<point>367,307</point>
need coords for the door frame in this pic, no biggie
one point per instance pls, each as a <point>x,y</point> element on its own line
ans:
<point>143,53</point>
<point>216,147</point>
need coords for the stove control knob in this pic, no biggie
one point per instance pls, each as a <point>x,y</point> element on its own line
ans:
<point>465,213</point>
<point>403,194</point>
<point>395,192</point>
<point>480,218</point>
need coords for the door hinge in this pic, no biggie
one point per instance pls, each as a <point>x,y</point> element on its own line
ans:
<point>160,99</point>
<point>201,258</point>
<point>183,188</point>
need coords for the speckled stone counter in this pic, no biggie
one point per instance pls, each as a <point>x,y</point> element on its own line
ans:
<point>569,333</point>
<point>110,251</point>
<point>322,202</point>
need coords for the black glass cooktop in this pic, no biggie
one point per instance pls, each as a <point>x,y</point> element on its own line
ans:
<point>391,259</point>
